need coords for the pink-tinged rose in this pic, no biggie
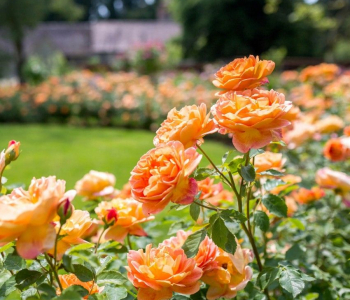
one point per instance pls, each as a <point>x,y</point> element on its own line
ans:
<point>176,242</point>
<point>254,117</point>
<point>129,218</point>
<point>158,272</point>
<point>95,185</point>
<point>269,160</point>
<point>207,254</point>
<point>208,188</point>
<point>231,274</point>
<point>27,215</point>
<point>188,125</point>
<point>162,176</point>
<point>301,133</point>
<point>244,73</point>
<point>337,149</point>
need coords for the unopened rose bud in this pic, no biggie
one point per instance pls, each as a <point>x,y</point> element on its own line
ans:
<point>65,210</point>
<point>111,217</point>
<point>12,152</point>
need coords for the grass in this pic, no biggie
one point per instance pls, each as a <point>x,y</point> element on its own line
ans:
<point>70,152</point>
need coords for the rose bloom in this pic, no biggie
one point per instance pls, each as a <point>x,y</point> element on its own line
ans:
<point>289,181</point>
<point>347,131</point>
<point>27,215</point>
<point>269,160</point>
<point>96,184</point>
<point>320,73</point>
<point>244,73</point>
<point>176,242</point>
<point>329,179</point>
<point>329,124</point>
<point>158,272</point>
<point>292,206</point>
<point>207,255</point>
<point>254,117</point>
<point>300,133</point>
<point>287,76</point>
<point>68,280</point>
<point>125,192</point>
<point>72,231</point>
<point>130,216</point>
<point>305,196</point>
<point>231,274</point>
<point>337,149</point>
<point>208,188</point>
<point>189,126</point>
<point>162,175</point>
<point>223,196</point>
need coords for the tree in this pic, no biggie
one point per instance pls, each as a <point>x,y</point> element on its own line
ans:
<point>19,15</point>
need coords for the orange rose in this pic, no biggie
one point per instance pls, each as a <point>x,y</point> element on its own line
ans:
<point>347,131</point>
<point>287,76</point>
<point>231,274</point>
<point>130,215</point>
<point>68,280</point>
<point>329,124</point>
<point>320,73</point>
<point>162,175</point>
<point>207,255</point>
<point>269,160</point>
<point>300,133</point>
<point>125,192</point>
<point>189,126</point>
<point>158,272</point>
<point>254,117</point>
<point>244,73</point>
<point>27,215</point>
<point>223,196</point>
<point>176,242</point>
<point>96,184</point>
<point>208,188</point>
<point>292,206</point>
<point>337,149</point>
<point>305,196</point>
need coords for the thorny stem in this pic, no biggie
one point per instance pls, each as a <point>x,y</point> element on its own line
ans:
<point>56,242</point>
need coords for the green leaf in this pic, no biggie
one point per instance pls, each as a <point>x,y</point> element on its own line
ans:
<point>235,164</point>
<point>202,173</point>
<point>115,293</point>
<point>111,277</point>
<point>233,215</point>
<point>294,252</point>
<point>306,277</point>
<point>261,220</point>
<point>270,184</point>
<point>14,262</point>
<point>219,233</point>
<point>225,156</point>
<point>272,172</point>
<point>175,227</point>
<point>275,205</point>
<point>290,280</point>
<point>7,246</point>
<point>248,173</point>
<point>80,247</point>
<point>297,223</point>
<point>267,276</point>
<point>192,243</point>
<point>48,290</point>
<point>29,294</point>
<point>74,292</point>
<point>255,152</point>
<point>194,211</point>
<point>83,273</point>
<point>8,286</point>
<point>67,263</point>
<point>231,244</point>
<point>26,277</point>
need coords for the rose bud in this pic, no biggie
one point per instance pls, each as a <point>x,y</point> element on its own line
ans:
<point>65,210</point>
<point>12,151</point>
<point>111,217</point>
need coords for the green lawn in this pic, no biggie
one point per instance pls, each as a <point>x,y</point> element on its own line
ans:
<point>70,152</point>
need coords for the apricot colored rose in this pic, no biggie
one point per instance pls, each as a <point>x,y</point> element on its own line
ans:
<point>231,274</point>
<point>244,73</point>
<point>269,160</point>
<point>72,231</point>
<point>207,254</point>
<point>208,188</point>
<point>158,272</point>
<point>223,196</point>
<point>289,181</point>
<point>162,176</point>
<point>287,76</point>
<point>329,124</point>
<point>254,117</point>
<point>130,216</point>
<point>96,184</point>
<point>176,242</point>
<point>337,149</point>
<point>125,192</point>
<point>68,280</point>
<point>188,125</point>
<point>330,179</point>
<point>301,133</point>
<point>27,215</point>
<point>305,196</point>
<point>320,74</point>
<point>347,131</point>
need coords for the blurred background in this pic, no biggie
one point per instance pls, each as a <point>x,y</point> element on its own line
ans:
<point>69,65</point>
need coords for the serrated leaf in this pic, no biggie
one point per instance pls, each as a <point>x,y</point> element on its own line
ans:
<point>272,172</point>
<point>235,164</point>
<point>14,262</point>
<point>111,277</point>
<point>8,286</point>
<point>26,277</point>
<point>255,152</point>
<point>115,293</point>
<point>275,205</point>
<point>67,263</point>
<point>219,233</point>
<point>290,280</point>
<point>261,220</point>
<point>267,276</point>
<point>306,277</point>
<point>248,173</point>
<point>294,252</point>
<point>80,247</point>
<point>231,214</point>
<point>47,289</point>
<point>202,173</point>
<point>270,184</point>
<point>83,273</point>
<point>192,243</point>
<point>231,244</point>
<point>194,211</point>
